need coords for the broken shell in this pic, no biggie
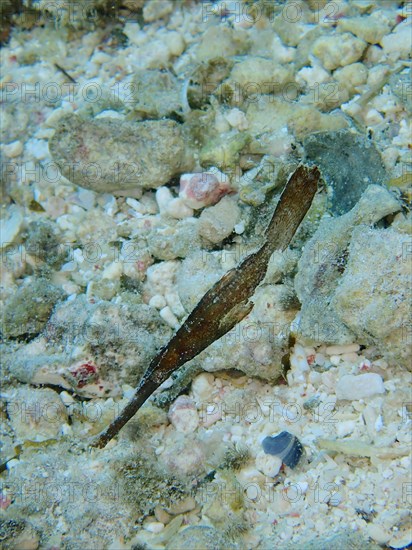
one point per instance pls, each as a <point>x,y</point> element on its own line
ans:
<point>204,188</point>
<point>286,446</point>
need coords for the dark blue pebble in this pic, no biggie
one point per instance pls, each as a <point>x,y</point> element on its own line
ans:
<point>286,446</point>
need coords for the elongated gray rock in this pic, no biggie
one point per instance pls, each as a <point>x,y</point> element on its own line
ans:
<point>119,157</point>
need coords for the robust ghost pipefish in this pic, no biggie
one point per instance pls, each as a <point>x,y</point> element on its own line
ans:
<point>227,302</point>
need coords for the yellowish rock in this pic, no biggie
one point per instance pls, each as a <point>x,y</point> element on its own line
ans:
<point>338,50</point>
<point>352,76</point>
<point>371,29</point>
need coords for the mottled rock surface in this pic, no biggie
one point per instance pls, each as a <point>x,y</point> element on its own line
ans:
<point>362,386</point>
<point>28,310</point>
<point>217,222</point>
<point>343,539</point>
<point>323,262</point>
<point>348,162</point>
<point>373,296</point>
<point>199,537</point>
<point>36,414</point>
<point>156,93</point>
<point>104,344</point>
<point>257,344</point>
<point>119,157</point>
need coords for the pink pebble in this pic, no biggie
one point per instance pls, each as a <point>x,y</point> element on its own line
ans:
<point>204,188</point>
<point>4,502</point>
<point>183,415</point>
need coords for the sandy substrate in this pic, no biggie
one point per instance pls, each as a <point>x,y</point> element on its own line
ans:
<point>176,124</point>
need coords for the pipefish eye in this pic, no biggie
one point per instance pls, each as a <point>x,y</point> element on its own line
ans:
<point>286,446</point>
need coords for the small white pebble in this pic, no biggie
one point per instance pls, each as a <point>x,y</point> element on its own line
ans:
<point>135,204</point>
<point>163,197</point>
<point>175,43</point>
<point>11,227</point>
<point>158,301</point>
<point>303,486</point>
<point>344,428</point>
<point>298,361</point>
<point>202,387</point>
<point>66,398</point>
<point>339,350</point>
<point>13,149</point>
<point>56,115</point>
<point>335,499</point>
<point>335,360</point>
<point>373,117</point>
<point>240,228</point>
<point>37,148</point>
<point>109,203</point>
<point>353,388</point>
<point>113,271</point>
<point>176,208</point>
<point>169,317</point>
<point>237,119</point>
<point>86,198</point>
<point>312,76</point>
<point>154,527</point>
<point>399,42</point>
<point>320,359</point>
<point>128,391</point>
<point>173,301</point>
<point>269,465</point>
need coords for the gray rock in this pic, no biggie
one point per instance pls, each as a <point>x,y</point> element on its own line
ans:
<point>18,533</point>
<point>119,157</point>
<point>28,310</point>
<point>348,162</point>
<point>217,222</point>
<point>36,414</point>
<point>199,537</point>
<point>156,93</point>
<point>174,239</point>
<point>43,243</point>
<point>323,262</point>
<point>373,295</point>
<point>257,344</point>
<point>198,272</point>
<point>344,540</point>
<point>117,341</point>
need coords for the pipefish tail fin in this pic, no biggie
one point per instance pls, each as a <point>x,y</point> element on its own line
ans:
<point>294,203</point>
